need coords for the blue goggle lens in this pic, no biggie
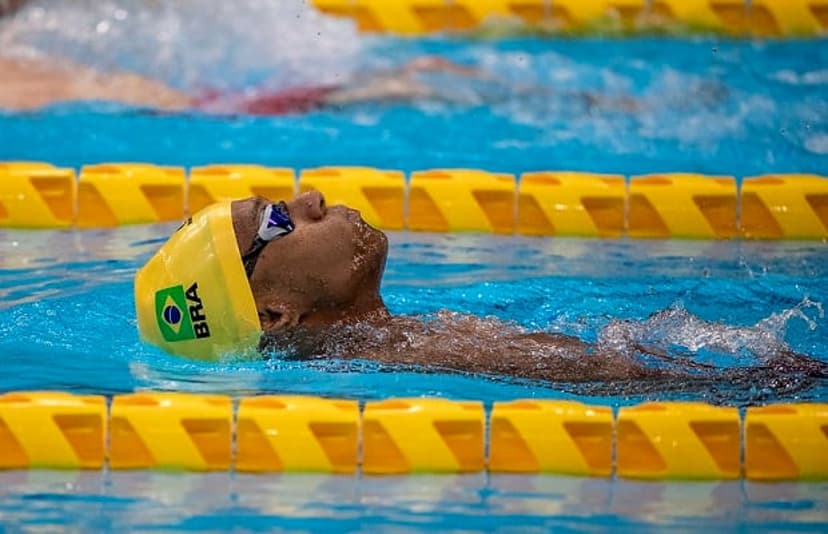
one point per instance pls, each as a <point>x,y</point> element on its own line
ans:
<point>275,222</point>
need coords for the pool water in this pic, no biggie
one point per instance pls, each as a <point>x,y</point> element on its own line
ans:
<point>67,314</point>
<point>704,105</point>
<point>162,502</point>
<point>67,323</point>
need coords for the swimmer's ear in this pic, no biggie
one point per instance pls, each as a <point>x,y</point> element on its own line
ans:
<point>276,316</point>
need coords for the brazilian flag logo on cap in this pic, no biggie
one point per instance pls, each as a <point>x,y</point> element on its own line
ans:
<point>172,316</point>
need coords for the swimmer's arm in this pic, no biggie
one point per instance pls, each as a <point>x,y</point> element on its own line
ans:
<point>33,83</point>
<point>379,89</point>
<point>134,90</point>
<point>401,84</point>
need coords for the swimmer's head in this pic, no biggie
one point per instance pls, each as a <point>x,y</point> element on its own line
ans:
<point>237,269</point>
<point>327,270</point>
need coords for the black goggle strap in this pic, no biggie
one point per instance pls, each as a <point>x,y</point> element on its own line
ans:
<point>252,256</point>
<point>275,223</point>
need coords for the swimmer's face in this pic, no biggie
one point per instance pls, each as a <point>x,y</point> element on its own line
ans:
<point>328,269</point>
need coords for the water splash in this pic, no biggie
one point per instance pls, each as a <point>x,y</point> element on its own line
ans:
<point>677,329</point>
<point>778,322</point>
<point>229,45</point>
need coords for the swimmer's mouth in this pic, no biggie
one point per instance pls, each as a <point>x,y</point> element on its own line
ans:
<point>368,232</point>
<point>370,228</point>
<point>354,217</point>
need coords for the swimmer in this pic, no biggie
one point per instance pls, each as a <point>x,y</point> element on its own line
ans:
<point>35,82</point>
<point>301,280</point>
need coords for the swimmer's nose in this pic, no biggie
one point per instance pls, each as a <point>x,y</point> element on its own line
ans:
<point>310,205</point>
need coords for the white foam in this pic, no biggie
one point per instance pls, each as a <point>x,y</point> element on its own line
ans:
<point>677,327</point>
<point>814,77</point>
<point>231,44</point>
<point>817,144</point>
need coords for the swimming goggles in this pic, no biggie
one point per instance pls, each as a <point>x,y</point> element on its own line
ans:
<point>274,223</point>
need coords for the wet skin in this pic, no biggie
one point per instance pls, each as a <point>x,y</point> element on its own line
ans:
<point>326,271</point>
<point>317,294</point>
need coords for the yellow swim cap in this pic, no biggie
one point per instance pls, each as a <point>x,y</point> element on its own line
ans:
<point>192,297</point>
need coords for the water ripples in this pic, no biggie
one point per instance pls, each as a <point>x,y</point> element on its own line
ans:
<point>67,315</point>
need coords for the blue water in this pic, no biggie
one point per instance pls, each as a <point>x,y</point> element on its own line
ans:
<point>67,323</point>
<point>158,502</point>
<point>67,314</point>
<point>706,105</point>
<point>703,106</point>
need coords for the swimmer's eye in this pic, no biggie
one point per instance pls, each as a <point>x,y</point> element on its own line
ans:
<point>274,223</point>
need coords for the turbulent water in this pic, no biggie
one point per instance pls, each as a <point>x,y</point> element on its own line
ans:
<point>647,105</point>
<point>724,318</point>
<point>231,44</point>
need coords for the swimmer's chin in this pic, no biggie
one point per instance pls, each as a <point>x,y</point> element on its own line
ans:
<point>369,234</point>
<point>374,238</point>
